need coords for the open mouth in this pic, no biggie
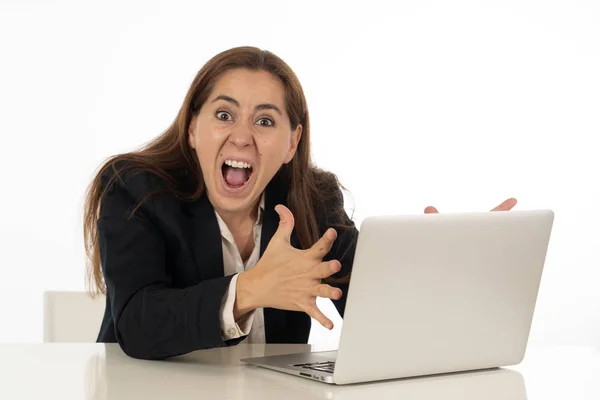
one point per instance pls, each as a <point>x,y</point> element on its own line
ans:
<point>236,174</point>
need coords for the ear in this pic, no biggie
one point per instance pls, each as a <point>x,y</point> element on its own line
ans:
<point>294,140</point>
<point>192,132</point>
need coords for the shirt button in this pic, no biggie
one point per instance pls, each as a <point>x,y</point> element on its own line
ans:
<point>231,332</point>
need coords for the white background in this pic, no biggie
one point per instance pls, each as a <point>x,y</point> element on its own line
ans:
<point>457,104</point>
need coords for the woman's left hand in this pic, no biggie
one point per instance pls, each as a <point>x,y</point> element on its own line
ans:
<point>506,205</point>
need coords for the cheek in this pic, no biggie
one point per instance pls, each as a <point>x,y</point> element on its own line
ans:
<point>203,152</point>
<point>273,146</point>
<point>208,142</point>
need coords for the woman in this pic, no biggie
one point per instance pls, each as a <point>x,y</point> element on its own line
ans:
<point>220,229</point>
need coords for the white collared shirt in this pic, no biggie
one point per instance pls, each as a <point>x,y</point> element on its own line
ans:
<point>251,324</point>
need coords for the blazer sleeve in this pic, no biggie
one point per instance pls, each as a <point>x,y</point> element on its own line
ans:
<point>152,319</point>
<point>344,246</point>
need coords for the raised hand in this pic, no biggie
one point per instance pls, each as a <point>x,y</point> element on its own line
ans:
<point>288,278</point>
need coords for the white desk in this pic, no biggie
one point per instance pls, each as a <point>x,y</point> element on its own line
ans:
<point>97,371</point>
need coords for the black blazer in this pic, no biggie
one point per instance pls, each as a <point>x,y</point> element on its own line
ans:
<point>164,269</point>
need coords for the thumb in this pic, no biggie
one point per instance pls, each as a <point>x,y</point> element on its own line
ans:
<point>431,210</point>
<point>286,222</point>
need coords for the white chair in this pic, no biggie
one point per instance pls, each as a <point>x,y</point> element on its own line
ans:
<point>72,316</point>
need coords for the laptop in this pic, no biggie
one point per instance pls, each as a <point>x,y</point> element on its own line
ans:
<point>433,294</point>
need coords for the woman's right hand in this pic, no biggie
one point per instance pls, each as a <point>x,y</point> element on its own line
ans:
<point>288,278</point>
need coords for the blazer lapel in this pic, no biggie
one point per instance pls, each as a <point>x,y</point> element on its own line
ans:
<point>270,223</point>
<point>205,243</point>
<point>274,195</point>
<point>275,319</point>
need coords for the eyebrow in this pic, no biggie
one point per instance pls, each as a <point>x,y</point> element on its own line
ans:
<point>264,106</point>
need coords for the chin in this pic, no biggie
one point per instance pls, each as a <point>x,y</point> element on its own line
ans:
<point>231,205</point>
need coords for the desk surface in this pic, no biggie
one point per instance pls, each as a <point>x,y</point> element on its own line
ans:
<point>98,371</point>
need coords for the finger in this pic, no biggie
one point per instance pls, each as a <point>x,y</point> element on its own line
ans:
<point>286,223</point>
<point>506,205</point>
<point>327,268</point>
<point>317,315</point>
<point>431,210</point>
<point>323,245</point>
<point>327,292</point>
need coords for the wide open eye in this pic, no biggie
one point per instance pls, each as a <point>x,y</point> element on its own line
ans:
<point>223,116</point>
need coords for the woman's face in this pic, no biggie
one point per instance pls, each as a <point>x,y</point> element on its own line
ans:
<point>242,136</point>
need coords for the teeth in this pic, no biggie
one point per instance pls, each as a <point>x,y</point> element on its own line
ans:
<point>237,164</point>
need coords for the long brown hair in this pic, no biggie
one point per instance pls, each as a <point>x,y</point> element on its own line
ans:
<point>170,157</point>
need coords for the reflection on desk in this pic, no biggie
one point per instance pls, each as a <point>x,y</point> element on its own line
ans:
<point>113,375</point>
<point>98,371</point>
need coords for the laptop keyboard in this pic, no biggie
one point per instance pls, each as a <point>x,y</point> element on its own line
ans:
<point>323,366</point>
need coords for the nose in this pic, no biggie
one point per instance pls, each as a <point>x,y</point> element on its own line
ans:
<point>241,135</point>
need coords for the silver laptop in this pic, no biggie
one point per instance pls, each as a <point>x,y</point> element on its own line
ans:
<point>434,293</point>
